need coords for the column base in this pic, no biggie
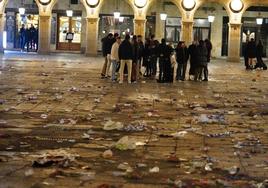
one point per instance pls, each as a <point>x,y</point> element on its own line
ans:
<point>233,59</point>
<point>43,52</point>
<point>91,54</point>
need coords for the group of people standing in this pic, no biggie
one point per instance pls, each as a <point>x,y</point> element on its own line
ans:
<point>28,38</point>
<point>129,55</point>
<point>252,52</point>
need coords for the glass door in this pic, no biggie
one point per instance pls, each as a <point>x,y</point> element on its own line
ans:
<point>69,33</point>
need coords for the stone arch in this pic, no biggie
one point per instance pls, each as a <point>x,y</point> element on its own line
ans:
<point>151,2</point>
<point>224,3</point>
<point>129,2</point>
<point>3,5</point>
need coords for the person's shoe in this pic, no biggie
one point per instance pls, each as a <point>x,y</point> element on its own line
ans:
<point>120,82</point>
<point>129,82</point>
<point>205,80</point>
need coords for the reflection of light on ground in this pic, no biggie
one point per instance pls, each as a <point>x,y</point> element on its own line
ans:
<point>5,39</point>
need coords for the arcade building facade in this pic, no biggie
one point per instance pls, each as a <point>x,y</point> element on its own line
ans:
<point>227,23</point>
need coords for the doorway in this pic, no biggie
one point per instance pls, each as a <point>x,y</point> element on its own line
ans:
<point>69,33</point>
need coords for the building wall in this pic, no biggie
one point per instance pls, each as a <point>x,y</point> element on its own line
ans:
<point>110,5</point>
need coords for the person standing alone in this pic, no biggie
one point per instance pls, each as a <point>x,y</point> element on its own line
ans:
<point>125,56</point>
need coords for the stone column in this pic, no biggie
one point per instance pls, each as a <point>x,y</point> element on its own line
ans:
<point>44,34</point>
<point>216,36</point>
<point>92,36</point>
<point>159,28</point>
<point>139,27</point>
<point>2,24</point>
<point>187,32</point>
<point>234,42</point>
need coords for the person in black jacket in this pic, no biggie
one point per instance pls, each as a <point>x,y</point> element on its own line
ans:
<point>259,53</point>
<point>22,33</point>
<point>141,51</point>
<point>208,45</point>
<point>202,61</point>
<point>192,51</point>
<point>163,58</point>
<point>153,55</point>
<point>125,55</point>
<point>27,38</point>
<point>245,54</point>
<point>168,70</point>
<point>146,58</point>
<point>135,59</point>
<point>251,49</point>
<point>182,58</point>
<point>107,43</point>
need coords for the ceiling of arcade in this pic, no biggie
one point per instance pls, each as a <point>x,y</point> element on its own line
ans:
<point>140,13</point>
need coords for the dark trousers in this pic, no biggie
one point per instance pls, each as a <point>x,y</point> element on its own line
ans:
<point>199,70</point>
<point>260,64</point>
<point>22,43</point>
<point>246,62</point>
<point>153,64</point>
<point>205,70</point>
<point>168,72</point>
<point>181,71</point>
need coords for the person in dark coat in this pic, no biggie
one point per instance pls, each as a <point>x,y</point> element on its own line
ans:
<point>153,54</point>
<point>202,61</point>
<point>27,38</point>
<point>208,45</point>
<point>168,70</point>
<point>192,50</point>
<point>107,43</point>
<point>163,58</point>
<point>209,49</point>
<point>146,58</point>
<point>141,50</point>
<point>182,58</point>
<point>125,55</point>
<point>135,59</point>
<point>245,54</point>
<point>32,35</point>
<point>251,49</point>
<point>35,39</point>
<point>259,53</point>
<point>22,33</point>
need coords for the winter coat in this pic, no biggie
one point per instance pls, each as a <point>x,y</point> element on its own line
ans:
<point>135,48</point>
<point>192,51</point>
<point>259,50</point>
<point>251,49</point>
<point>182,55</point>
<point>202,55</point>
<point>107,44</point>
<point>163,52</point>
<point>125,51</point>
<point>114,52</point>
<point>141,49</point>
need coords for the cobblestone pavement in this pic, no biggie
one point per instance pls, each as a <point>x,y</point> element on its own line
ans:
<point>63,126</point>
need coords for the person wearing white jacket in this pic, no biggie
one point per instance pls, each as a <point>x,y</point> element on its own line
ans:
<point>115,57</point>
